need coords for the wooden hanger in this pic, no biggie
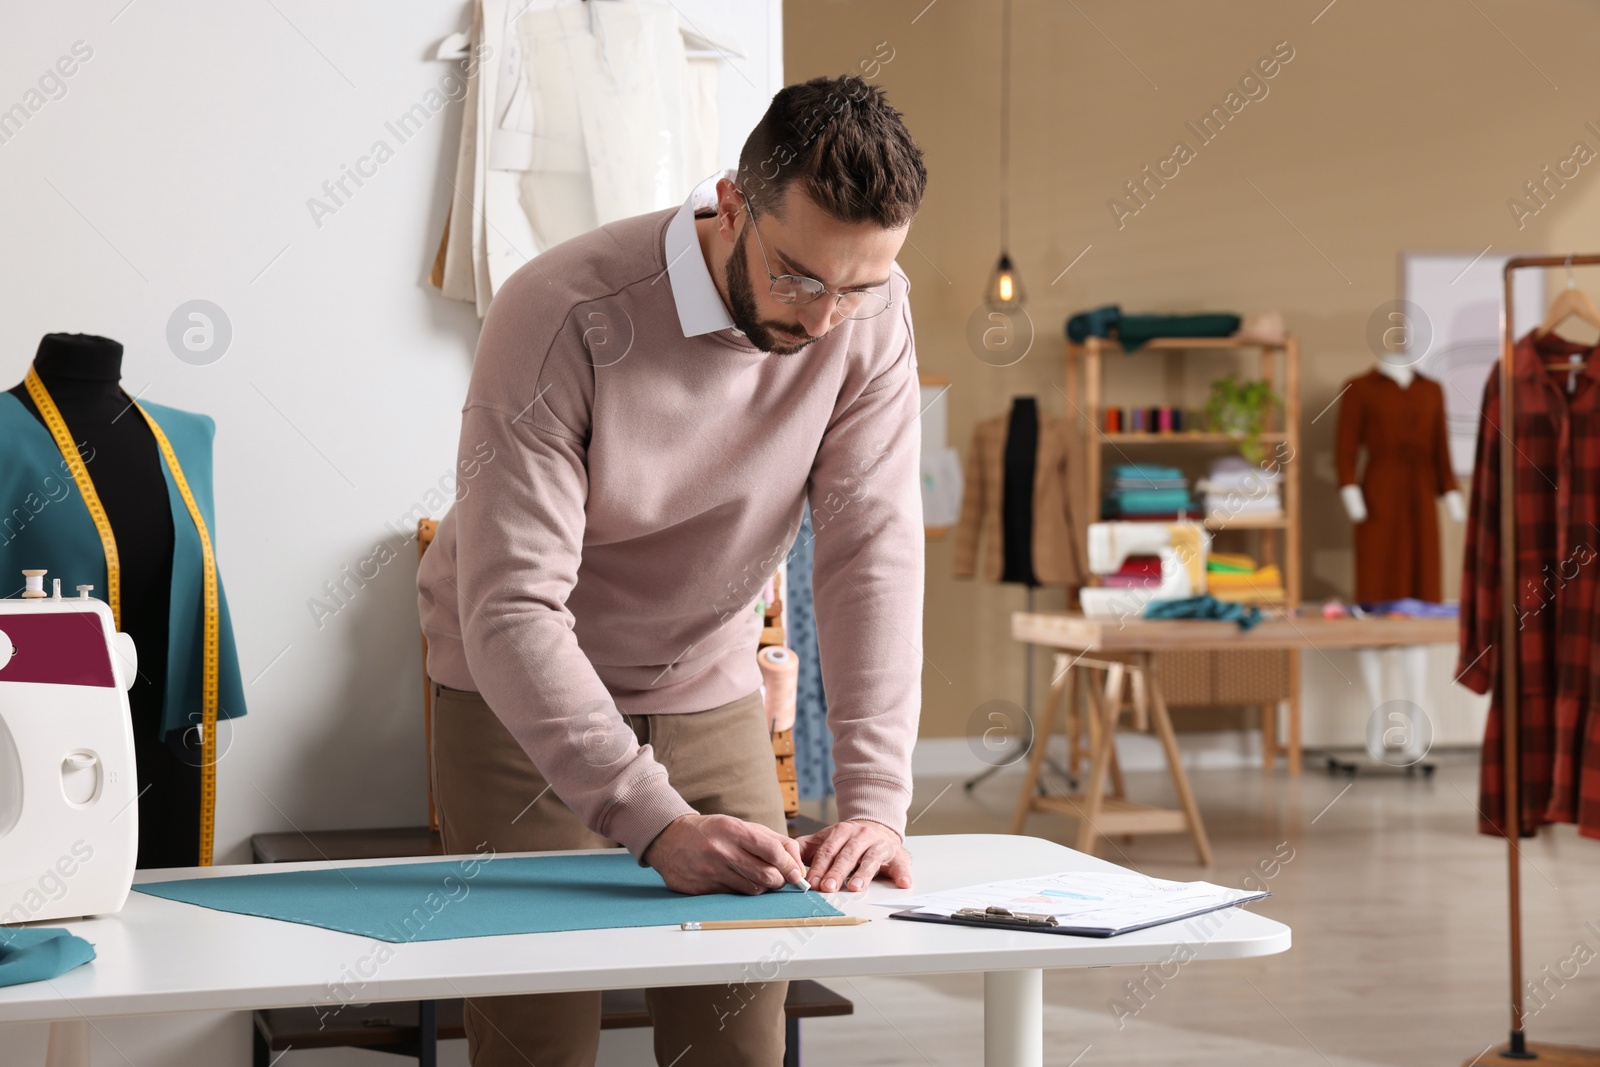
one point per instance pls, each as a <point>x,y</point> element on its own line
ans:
<point>1571,302</point>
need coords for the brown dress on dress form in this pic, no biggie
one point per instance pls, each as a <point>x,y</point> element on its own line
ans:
<point>1407,470</point>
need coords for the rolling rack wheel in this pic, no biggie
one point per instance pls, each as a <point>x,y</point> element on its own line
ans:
<point>1350,768</point>
<point>1339,766</point>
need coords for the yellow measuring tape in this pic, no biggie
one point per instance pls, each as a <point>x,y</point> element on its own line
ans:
<point>209,689</point>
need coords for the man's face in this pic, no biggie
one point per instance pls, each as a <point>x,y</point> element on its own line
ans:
<point>799,239</point>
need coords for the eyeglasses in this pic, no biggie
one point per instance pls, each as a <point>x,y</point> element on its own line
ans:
<point>798,289</point>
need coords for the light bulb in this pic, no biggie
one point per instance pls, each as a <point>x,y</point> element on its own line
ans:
<point>1005,287</point>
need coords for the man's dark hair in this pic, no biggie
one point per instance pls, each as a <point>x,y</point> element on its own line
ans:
<point>841,142</point>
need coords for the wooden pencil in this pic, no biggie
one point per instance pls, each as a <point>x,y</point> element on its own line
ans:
<point>767,924</point>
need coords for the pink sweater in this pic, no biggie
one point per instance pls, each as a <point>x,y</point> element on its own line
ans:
<point>624,493</point>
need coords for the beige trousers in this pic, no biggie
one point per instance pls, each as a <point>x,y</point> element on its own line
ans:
<point>488,792</point>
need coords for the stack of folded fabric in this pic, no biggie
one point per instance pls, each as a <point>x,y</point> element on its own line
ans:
<point>1236,488</point>
<point>1148,491</point>
<point>1235,577</point>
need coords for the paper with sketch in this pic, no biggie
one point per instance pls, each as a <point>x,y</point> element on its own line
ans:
<point>1101,901</point>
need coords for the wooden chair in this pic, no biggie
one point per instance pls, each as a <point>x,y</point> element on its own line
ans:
<point>415,1029</point>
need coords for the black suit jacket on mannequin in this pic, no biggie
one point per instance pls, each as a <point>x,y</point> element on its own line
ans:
<point>82,374</point>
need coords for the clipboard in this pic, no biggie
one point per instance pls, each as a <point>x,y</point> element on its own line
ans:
<point>1004,918</point>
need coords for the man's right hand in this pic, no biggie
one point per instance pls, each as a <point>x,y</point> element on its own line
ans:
<point>722,854</point>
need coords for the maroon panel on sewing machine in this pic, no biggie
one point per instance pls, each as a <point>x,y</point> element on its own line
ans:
<point>58,647</point>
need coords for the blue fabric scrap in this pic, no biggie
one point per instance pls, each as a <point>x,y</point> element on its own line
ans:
<point>1204,607</point>
<point>32,954</point>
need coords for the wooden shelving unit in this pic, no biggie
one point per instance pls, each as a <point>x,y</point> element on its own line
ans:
<point>1210,678</point>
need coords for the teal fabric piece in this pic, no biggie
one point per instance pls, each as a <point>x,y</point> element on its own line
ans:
<point>49,526</point>
<point>33,954</point>
<point>445,899</point>
<point>1149,483</point>
<point>1145,471</point>
<point>1204,607</point>
<point>1148,502</point>
<point>1134,330</point>
<point>1151,499</point>
<point>1101,322</point>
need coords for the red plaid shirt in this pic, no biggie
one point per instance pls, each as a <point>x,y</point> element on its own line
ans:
<point>1557,507</point>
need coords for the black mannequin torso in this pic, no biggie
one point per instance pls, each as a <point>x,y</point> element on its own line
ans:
<point>81,372</point>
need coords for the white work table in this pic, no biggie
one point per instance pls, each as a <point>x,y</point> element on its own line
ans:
<point>160,956</point>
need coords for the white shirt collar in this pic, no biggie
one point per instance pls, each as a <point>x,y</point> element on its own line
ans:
<point>700,306</point>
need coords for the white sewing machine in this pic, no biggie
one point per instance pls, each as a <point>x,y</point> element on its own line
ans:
<point>1181,547</point>
<point>69,821</point>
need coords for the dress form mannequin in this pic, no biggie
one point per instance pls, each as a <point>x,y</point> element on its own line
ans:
<point>82,374</point>
<point>1388,739</point>
<point>1402,373</point>
<point>1397,736</point>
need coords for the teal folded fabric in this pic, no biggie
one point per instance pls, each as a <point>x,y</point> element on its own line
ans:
<point>1131,501</point>
<point>1145,470</point>
<point>1204,607</point>
<point>1135,330</point>
<point>1101,322</point>
<point>1149,483</point>
<point>480,897</point>
<point>33,954</point>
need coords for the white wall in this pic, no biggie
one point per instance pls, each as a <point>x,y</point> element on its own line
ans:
<point>176,166</point>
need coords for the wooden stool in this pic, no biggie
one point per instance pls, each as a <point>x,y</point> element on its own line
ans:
<point>1099,813</point>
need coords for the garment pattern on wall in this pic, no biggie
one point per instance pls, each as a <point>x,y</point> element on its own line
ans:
<point>576,115</point>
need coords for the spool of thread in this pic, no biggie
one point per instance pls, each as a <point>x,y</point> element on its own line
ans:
<point>780,675</point>
<point>32,584</point>
<point>1164,419</point>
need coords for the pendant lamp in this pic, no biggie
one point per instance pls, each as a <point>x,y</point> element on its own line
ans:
<point>1004,292</point>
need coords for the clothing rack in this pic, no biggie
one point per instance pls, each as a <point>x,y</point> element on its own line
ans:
<point>1517,1048</point>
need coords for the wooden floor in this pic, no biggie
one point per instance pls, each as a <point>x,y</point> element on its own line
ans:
<point>1398,911</point>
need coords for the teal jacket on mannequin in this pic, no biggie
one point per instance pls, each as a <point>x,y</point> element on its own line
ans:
<point>45,523</point>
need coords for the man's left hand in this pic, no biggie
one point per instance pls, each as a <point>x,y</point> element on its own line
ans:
<point>848,855</point>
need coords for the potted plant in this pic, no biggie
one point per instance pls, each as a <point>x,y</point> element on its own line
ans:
<point>1242,408</point>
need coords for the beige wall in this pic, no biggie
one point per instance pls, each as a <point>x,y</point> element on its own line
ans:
<point>1394,127</point>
